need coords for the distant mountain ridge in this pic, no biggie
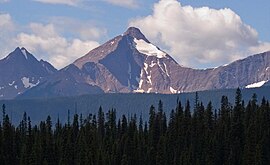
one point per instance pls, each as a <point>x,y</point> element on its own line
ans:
<point>20,71</point>
<point>130,63</point>
<point>124,103</point>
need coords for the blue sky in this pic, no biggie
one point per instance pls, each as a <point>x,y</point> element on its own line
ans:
<point>77,26</point>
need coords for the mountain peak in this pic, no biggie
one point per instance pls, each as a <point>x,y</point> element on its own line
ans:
<point>24,52</point>
<point>136,33</point>
<point>20,52</point>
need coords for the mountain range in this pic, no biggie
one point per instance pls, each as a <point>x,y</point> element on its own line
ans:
<point>20,71</point>
<point>128,63</point>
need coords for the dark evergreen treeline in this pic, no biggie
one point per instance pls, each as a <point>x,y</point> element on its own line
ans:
<point>232,135</point>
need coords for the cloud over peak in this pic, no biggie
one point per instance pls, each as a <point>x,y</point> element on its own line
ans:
<point>44,40</point>
<point>47,41</point>
<point>199,37</point>
<point>6,21</point>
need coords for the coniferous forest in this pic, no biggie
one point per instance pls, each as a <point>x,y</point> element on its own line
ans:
<point>196,134</point>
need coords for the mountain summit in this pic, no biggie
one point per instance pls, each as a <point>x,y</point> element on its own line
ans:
<point>135,33</point>
<point>127,63</point>
<point>20,71</point>
<point>130,63</point>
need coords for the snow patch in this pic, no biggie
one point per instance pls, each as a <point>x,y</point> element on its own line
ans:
<point>27,83</point>
<point>256,85</point>
<point>140,84</point>
<point>167,73</point>
<point>267,68</point>
<point>24,53</point>
<point>148,49</point>
<point>173,90</point>
<point>145,68</point>
<point>149,90</point>
<point>1,95</point>
<point>149,79</point>
<point>140,81</point>
<point>15,86</point>
<point>10,84</point>
<point>162,69</point>
<point>152,64</point>
<point>147,73</point>
<point>139,91</point>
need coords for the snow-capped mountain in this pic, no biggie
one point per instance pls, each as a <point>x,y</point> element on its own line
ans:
<point>130,63</point>
<point>20,71</point>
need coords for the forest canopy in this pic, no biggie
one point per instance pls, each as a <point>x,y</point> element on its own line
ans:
<point>193,133</point>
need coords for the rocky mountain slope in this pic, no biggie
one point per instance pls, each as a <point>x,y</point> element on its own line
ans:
<point>130,63</point>
<point>20,71</point>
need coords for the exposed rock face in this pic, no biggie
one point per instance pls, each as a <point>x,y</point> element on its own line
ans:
<point>69,81</point>
<point>129,63</point>
<point>20,71</point>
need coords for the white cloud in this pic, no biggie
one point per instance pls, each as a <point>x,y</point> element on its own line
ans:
<point>6,21</point>
<point>86,30</point>
<point>53,42</point>
<point>46,42</point>
<point>91,33</point>
<point>7,28</point>
<point>44,31</point>
<point>199,37</point>
<point>123,3</point>
<point>63,2</point>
